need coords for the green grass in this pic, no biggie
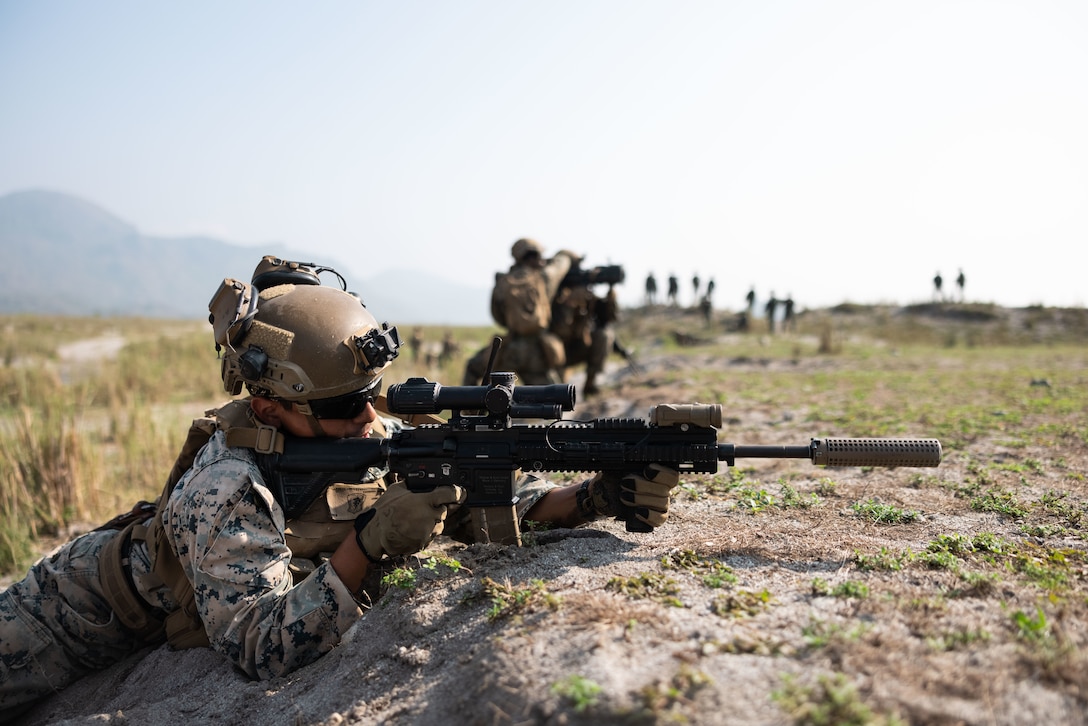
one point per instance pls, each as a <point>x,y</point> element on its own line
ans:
<point>80,443</point>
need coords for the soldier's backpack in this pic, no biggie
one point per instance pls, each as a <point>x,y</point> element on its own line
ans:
<point>522,295</point>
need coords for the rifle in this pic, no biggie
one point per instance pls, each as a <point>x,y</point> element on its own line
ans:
<point>627,355</point>
<point>481,448</point>
<point>603,274</point>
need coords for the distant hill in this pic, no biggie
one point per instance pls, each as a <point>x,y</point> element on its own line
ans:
<point>67,256</point>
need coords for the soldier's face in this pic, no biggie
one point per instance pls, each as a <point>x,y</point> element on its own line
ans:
<point>285,416</point>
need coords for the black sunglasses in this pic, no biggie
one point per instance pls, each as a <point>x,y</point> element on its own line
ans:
<point>348,405</point>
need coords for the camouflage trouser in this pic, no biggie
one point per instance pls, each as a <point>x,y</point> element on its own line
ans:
<point>603,340</point>
<point>594,355</point>
<point>55,626</point>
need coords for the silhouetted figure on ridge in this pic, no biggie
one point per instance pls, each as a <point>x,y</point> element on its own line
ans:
<point>787,314</point>
<point>651,289</point>
<point>771,308</point>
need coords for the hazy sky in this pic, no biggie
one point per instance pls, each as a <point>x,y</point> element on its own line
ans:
<point>832,151</point>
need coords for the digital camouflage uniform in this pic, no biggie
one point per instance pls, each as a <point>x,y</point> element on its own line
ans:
<point>526,355</point>
<point>586,324</point>
<point>229,533</point>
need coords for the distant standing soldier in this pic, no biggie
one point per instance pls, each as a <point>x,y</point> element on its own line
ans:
<point>674,289</point>
<point>961,280</point>
<point>416,343</point>
<point>707,308</point>
<point>937,282</point>
<point>651,289</point>
<point>450,347</point>
<point>787,313</point>
<point>696,283</point>
<point>771,308</point>
<point>751,298</point>
<point>707,303</point>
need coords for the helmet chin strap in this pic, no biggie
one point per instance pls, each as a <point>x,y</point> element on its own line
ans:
<point>315,426</point>
<point>303,407</point>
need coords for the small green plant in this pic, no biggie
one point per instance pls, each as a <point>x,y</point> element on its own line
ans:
<point>885,559</point>
<point>693,492</point>
<point>754,501</point>
<point>999,502</point>
<point>740,603</point>
<point>976,584</point>
<point>647,586</point>
<point>1043,530</point>
<point>958,639</point>
<point>851,589</point>
<point>658,698</point>
<point>1027,466</point>
<point>726,481</point>
<point>714,573</point>
<point>825,487</point>
<point>403,578</point>
<point>432,562</point>
<point>989,542</point>
<point>846,589</point>
<point>1058,505</point>
<point>953,543</point>
<point>921,481</point>
<point>791,498</point>
<point>1031,629</point>
<point>939,560</point>
<point>508,600</point>
<point>819,633</point>
<point>884,513</point>
<point>407,578</point>
<point>580,691</point>
<point>1048,568</point>
<point>831,701</point>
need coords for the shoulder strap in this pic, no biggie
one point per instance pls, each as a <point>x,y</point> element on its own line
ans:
<point>117,587</point>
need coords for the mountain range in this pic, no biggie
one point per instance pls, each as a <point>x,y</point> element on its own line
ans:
<point>68,256</point>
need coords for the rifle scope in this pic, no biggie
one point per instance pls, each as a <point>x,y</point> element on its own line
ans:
<point>500,398</point>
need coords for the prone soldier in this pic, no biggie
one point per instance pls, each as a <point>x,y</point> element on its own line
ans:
<point>223,559</point>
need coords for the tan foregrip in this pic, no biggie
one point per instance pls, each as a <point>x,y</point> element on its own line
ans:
<point>678,414</point>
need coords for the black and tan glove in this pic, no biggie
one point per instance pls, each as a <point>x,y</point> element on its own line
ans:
<point>641,499</point>
<point>403,522</point>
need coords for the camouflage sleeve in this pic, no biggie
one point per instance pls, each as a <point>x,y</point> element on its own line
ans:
<point>529,489</point>
<point>498,307</point>
<point>554,272</point>
<point>229,536</point>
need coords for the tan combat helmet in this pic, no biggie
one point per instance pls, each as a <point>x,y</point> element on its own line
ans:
<point>524,247</point>
<point>311,344</point>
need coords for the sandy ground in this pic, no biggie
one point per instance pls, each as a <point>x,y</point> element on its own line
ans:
<point>732,613</point>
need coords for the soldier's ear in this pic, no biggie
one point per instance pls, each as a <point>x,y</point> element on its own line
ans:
<point>267,410</point>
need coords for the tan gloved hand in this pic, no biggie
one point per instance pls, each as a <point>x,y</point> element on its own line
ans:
<point>642,496</point>
<point>403,522</point>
